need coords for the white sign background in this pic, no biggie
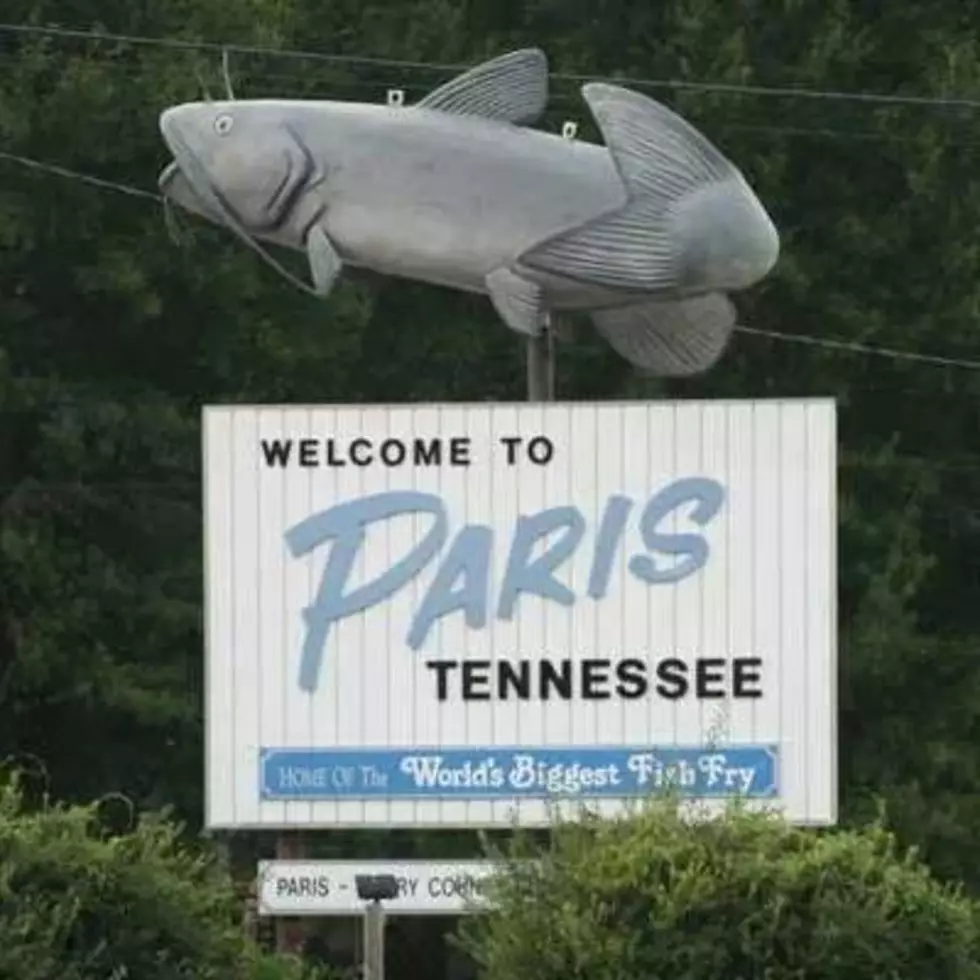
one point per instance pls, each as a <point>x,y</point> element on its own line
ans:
<point>768,590</point>
<point>329,888</point>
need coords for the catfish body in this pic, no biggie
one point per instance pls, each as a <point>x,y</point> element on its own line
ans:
<point>648,233</point>
<point>410,191</point>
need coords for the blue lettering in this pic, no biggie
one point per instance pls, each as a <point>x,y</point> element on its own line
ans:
<point>538,576</point>
<point>707,496</point>
<point>469,557</point>
<point>345,524</point>
<point>462,581</point>
<point>607,542</point>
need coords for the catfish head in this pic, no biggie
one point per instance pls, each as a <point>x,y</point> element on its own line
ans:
<point>244,156</point>
<point>240,164</point>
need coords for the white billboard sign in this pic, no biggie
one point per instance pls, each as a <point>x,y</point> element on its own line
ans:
<point>329,887</point>
<point>458,615</point>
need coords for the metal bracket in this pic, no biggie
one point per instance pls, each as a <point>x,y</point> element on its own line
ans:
<point>226,74</point>
<point>396,96</point>
<point>569,129</point>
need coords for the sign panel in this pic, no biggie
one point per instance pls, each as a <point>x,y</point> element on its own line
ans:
<point>461,615</point>
<point>329,888</point>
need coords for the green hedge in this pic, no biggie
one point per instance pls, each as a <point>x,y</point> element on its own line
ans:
<point>654,896</point>
<point>78,903</point>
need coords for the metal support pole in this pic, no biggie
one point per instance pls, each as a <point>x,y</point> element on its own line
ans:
<point>374,942</point>
<point>250,921</point>
<point>541,366</point>
<point>290,932</point>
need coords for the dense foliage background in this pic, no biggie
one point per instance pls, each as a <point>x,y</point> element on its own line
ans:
<point>111,338</point>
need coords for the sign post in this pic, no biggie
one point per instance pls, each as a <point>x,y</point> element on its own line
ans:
<point>374,941</point>
<point>541,365</point>
<point>290,932</point>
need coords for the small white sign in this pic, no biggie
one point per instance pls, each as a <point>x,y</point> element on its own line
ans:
<point>329,887</point>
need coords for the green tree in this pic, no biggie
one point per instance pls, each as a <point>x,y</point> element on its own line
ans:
<point>654,895</point>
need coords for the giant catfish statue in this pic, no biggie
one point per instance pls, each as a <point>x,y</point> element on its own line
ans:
<point>647,234</point>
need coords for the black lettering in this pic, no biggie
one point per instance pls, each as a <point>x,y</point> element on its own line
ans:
<point>322,887</point>
<point>511,442</point>
<point>305,887</point>
<point>746,672</point>
<point>475,674</point>
<point>442,668</point>
<point>551,678</point>
<point>540,450</point>
<point>514,676</point>
<point>595,674</point>
<point>459,451</point>
<point>307,452</point>
<point>355,457</point>
<point>632,678</point>
<point>277,451</point>
<point>672,674</point>
<point>332,457</point>
<point>428,454</point>
<point>393,452</point>
<point>707,671</point>
<point>282,886</point>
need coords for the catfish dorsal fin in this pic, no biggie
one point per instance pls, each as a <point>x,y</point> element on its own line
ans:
<point>657,153</point>
<point>661,160</point>
<point>512,88</point>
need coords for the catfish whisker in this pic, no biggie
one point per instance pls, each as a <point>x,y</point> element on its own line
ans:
<point>172,222</point>
<point>204,88</point>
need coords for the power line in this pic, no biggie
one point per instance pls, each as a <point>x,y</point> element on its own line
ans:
<point>565,100</point>
<point>434,66</point>
<point>99,182</point>
<point>824,342</point>
<point>852,347</point>
<point>804,132</point>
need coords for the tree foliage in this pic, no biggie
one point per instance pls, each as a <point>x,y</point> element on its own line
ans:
<point>654,896</point>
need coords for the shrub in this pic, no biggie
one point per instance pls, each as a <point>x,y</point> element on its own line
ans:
<point>78,903</point>
<point>746,895</point>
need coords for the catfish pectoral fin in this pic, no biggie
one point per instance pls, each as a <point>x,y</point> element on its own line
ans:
<point>517,300</point>
<point>325,263</point>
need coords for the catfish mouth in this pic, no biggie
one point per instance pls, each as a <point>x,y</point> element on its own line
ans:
<point>187,177</point>
<point>196,180</point>
<point>213,204</point>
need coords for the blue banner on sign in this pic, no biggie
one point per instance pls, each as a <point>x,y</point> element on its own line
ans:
<point>499,773</point>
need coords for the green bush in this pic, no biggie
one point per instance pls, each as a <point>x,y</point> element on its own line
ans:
<point>78,903</point>
<point>742,896</point>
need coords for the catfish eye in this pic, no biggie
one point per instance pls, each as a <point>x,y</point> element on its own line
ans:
<point>223,124</point>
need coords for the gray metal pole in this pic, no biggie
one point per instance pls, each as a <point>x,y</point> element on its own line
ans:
<point>541,366</point>
<point>374,942</point>
<point>290,932</point>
